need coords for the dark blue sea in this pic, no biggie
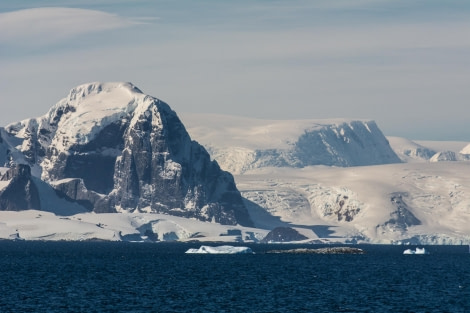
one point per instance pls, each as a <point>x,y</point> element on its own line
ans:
<point>160,277</point>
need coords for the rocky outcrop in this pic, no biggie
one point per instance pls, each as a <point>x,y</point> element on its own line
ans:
<point>401,218</point>
<point>332,250</point>
<point>20,193</point>
<point>419,153</point>
<point>283,234</point>
<point>446,156</point>
<point>111,148</point>
<point>74,190</point>
<point>3,151</point>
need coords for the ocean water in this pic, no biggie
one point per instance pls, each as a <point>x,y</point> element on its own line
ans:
<point>131,277</point>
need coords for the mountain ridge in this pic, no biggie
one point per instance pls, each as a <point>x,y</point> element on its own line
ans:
<point>241,144</point>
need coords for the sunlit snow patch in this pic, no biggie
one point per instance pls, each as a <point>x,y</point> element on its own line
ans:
<point>221,250</point>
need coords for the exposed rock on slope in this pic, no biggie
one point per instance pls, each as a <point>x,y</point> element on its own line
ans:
<point>401,218</point>
<point>126,151</point>
<point>20,192</point>
<point>74,189</point>
<point>240,144</point>
<point>283,234</point>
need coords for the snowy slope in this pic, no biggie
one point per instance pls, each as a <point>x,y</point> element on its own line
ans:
<point>410,151</point>
<point>427,203</point>
<point>39,225</point>
<point>420,203</point>
<point>466,150</point>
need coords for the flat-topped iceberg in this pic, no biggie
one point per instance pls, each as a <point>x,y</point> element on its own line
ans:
<point>417,251</point>
<point>221,250</point>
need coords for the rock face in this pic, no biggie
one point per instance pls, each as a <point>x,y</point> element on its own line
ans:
<point>112,148</point>
<point>20,193</point>
<point>74,190</point>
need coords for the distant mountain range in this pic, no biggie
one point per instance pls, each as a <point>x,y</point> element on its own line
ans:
<point>414,151</point>
<point>108,148</point>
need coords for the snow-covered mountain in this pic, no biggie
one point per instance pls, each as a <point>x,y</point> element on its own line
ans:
<point>426,151</point>
<point>110,148</point>
<point>240,144</point>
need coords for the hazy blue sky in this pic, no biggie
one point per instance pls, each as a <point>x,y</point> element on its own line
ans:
<point>402,63</point>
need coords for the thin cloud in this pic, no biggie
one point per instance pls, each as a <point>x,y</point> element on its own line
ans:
<point>46,25</point>
<point>404,65</point>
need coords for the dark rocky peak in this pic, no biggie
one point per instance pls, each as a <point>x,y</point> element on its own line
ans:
<point>112,148</point>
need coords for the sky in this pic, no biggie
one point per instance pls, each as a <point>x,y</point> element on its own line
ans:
<point>403,63</point>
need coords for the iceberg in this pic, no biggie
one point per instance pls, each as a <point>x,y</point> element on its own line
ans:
<point>220,250</point>
<point>416,251</point>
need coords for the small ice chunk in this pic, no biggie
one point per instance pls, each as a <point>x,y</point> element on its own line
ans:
<point>417,251</point>
<point>220,250</point>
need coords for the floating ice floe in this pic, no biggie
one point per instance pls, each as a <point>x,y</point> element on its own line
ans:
<point>221,250</point>
<point>417,251</point>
